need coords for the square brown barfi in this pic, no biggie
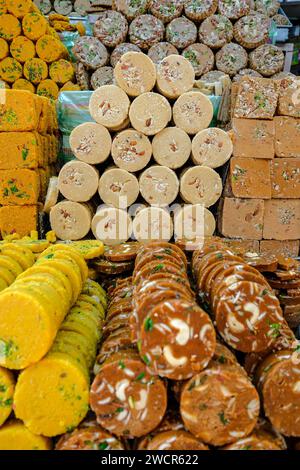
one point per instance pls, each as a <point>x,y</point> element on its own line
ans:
<point>250,178</point>
<point>287,136</point>
<point>289,97</point>
<point>253,138</point>
<point>280,247</point>
<point>257,98</point>
<point>282,219</point>
<point>242,218</point>
<point>285,178</point>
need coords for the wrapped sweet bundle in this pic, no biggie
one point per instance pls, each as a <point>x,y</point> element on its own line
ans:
<point>58,385</point>
<point>33,58</point>
<point>29,148</point>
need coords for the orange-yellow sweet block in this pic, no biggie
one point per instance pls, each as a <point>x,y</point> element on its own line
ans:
<point>18,219</point>
<point>20,150</point>
<point>19,187</point>
<point>19,111</point>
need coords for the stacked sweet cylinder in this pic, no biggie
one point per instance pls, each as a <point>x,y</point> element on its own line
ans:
<point>29,146</point>
<point>217,37</point>
<point>262,194</point>
<point>132,124</point>
<point>32,56</point>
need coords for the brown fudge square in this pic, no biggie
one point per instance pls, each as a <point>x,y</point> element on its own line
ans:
<point>242,218</point>
<point>282,219</point>
<point>250,178</point>
<point>287,136</point>
<point>285,178</point>
<point>242,246</point>
<point>289,97</point>
<point>253,138</point>
<point>257,98</point>
<point>280,247</point>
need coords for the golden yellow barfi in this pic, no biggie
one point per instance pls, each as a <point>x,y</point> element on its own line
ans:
<point>21,254</point>
<point>35,70</point>
<point>27,327</point>
<point>89,249</point>
<point>52,396</point>
<point>61,71</point>
<point>19,187</point>
<point>70,86</point>
<point>19,150</point>
<point>15,436</point>
<point>66,251</point>
<point>18,112</point>
<point>23,84</point>
<point>34,25</point>
<point>10,69</point>
<point>7,388</point>
<point>4,49</point>
<point>22,49</point>
<point>18,219</point>
<point>19,8</point>
<point>10,27</point>
<point>48,88</point>
<point>3,7</point>
<point>49,48</point>
<point>36,246</point>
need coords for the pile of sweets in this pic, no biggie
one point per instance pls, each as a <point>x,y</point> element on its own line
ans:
<point>32,56</point>
<point>261,198</point>
<point>71,8</point>
<point>54,350</point>
<point>217,37</point>
<point>29,147</point>
<point>172,125</point>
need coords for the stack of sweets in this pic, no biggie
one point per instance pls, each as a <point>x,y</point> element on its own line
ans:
<point>29,147</point>
<point>262,194</point>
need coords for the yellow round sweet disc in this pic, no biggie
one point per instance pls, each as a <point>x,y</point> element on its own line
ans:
<point>7,388</point>
<point>52,396</point>
<point>15,436</point>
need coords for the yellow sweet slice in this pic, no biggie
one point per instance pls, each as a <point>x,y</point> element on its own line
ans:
<point>49,48</point>
<point>48,88</point>
<point>46,295</point>
<point>69,252</point>
<point>9,263</point>
<point>3,7</point>
<point>23,84</point>
<point>94,289</point>
<point>19,8</point>
<point>22,254</point>
<point>34,235</point>
<point>27,329</point>
<point>66,268</point>
<point>35,70</point>
<point>3,284</point>
<point>7,276</point>
<point>95,285</point>
<point>89,249</point>
<point>88,307</point>
<point>34,25</point>
<point>15,436</point>
<point>7,388</point>
<point>10,27</point>
<point>83,325</point>
<point>37,246</point>
<point>72,351</point>
<point>58,17</point>
<point>91,300</point>
<point>52,396</point>
<point>22,49</point>
<point>70,86</point>
<point>4,49</point>
<point>49,280</point>
<point>56,273</point>
<point>10,69</point>
<point>82,344</point>
<point>51,237</point>
<point>61,71</point>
